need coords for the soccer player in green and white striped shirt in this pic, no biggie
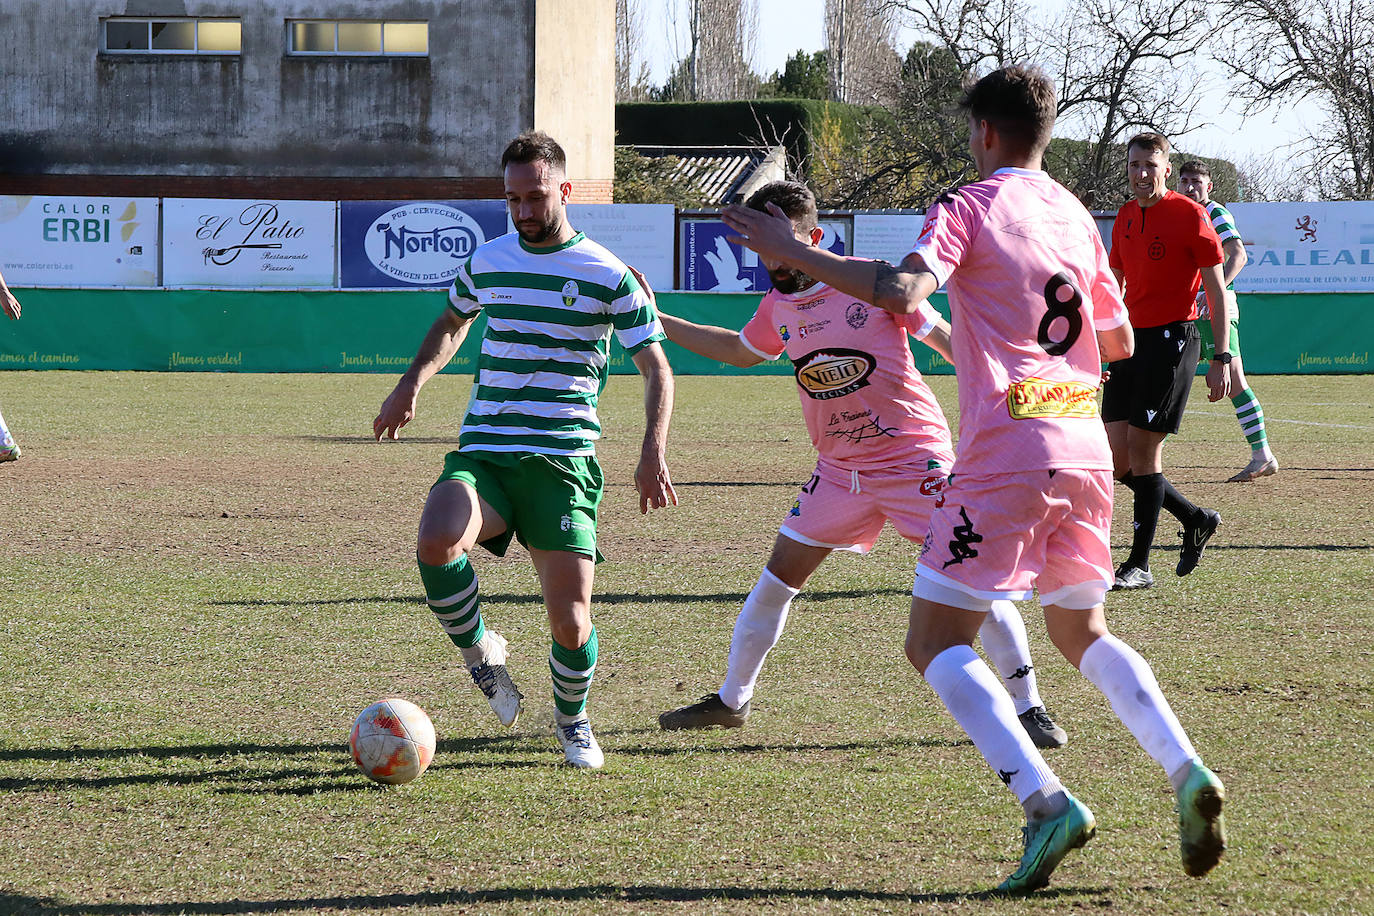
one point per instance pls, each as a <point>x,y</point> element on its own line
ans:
<point>1195,180</point>
<point>525,465</point>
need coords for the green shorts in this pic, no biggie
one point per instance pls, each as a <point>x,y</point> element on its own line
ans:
<point>1204,327</point>
<point>547,501</point>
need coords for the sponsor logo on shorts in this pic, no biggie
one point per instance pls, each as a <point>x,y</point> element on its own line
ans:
<point>570,293</point>
<point>1037,398</point>
<point>833,373</point>
<point>932,486</point>
<point>795,511</point>
<point>961,548</point>
<point>856,316</point>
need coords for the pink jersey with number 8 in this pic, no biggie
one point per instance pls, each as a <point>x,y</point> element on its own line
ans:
<point>1028,284</point>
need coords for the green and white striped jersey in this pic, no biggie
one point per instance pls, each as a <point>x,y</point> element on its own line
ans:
<point>545,353</point>
<point>1222,221</point>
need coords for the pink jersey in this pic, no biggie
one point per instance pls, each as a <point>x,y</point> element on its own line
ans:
<point>866,405</point>
<point>1028,285</point>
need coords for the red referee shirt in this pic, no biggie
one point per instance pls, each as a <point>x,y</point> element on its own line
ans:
<point>1159,250</point>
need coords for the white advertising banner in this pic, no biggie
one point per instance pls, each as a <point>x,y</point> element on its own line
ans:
<point>78,241</point>
<point>641,235</point>
<point>284,243</point>
<point>1306,246</point>
<point>886,236</point>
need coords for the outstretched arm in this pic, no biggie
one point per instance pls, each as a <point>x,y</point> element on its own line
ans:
<point>652,482</point>
<point>440,343</point>
<point>706,340</point>
<point>8,303</point>
<point>894,289</point>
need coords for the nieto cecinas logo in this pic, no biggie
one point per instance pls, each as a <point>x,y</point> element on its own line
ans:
<point>423,243</point>
<point>834,372</point>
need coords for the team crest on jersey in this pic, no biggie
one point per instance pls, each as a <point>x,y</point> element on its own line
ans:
<point>833,373</point>
<point>856,316</point>
<point>570,293</point>
<point>1155,251</point>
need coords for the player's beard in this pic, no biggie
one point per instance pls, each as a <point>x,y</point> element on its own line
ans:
<point>788,281</point>
<point>535,233</point>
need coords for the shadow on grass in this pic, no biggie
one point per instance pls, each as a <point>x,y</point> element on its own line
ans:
<point>225,763</point>
<point>592,893</point>
<point>610,598</point>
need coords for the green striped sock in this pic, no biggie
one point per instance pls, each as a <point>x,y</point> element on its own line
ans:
<point>572,675</point>
<point>1251,417</point>
<point>451,591</point>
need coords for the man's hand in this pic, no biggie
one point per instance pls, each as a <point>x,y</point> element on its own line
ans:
<point>768,234</point>
<point>397,410</point>
<point>1218,381</point>
<point>644,284</point>
<point>8,302</point>
<point>652,483</point>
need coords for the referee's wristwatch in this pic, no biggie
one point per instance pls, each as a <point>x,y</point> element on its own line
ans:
<point>1223,357</point>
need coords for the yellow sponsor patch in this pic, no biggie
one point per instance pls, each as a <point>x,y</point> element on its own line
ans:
<point>1036,398</point>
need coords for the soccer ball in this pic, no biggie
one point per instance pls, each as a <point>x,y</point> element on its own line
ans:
<point>392,741</point>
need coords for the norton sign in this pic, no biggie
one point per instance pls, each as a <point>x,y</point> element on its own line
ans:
<point>412,243</point>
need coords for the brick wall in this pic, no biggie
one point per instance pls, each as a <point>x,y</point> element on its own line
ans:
<point>590,191</point>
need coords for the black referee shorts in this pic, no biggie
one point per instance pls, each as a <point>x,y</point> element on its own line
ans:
<point>1150,389</point>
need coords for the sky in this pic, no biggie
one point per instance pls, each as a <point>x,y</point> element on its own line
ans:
<point>789,25</point>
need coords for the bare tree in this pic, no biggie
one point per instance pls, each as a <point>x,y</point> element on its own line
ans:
<point>1119,66</point>
<point>721,42</point>
<point>631,66</point>
<point>861,38</point>
<point>1317,51</point>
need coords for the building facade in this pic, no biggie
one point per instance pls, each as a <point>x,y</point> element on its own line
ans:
<point>380,99</point>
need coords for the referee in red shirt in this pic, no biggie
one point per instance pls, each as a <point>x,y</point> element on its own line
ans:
<point>1163,248</point>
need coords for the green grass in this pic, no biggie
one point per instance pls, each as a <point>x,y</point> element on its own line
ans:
<point>205,577</point>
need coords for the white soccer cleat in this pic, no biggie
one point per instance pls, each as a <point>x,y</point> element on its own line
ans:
<point>9,449</point>
<point>579,744</point>
<point>494,681</point>
<point>1257,468</point>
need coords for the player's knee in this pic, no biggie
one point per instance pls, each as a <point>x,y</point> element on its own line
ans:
<point>438,548</point>
<point>570,629</point>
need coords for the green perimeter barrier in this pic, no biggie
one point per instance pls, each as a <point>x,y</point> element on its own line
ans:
<point>379,331</point>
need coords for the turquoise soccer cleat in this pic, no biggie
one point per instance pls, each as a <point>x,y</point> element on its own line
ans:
<point>1047,842</point>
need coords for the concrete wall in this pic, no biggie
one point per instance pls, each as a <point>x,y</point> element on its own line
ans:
<point>574,89</point>
<point>68,110</point>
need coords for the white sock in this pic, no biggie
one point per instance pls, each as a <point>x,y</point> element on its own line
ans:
<point>1127,681</point>
<point>978,703</point>
<point>757,630</point>
<point>1004,640</point>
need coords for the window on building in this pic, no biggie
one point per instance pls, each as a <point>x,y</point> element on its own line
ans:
<point>173,36</point>
<point>345,37</point>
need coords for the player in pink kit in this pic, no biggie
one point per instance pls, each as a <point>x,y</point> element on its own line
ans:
<point>884,451</point>
<point>1029,502</point>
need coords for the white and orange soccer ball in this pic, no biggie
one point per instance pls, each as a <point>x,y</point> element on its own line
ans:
<point>392,741</point>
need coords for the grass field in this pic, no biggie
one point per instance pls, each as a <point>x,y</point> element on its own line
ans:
<point>204,578</point>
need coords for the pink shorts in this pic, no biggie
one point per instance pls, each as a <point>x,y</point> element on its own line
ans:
<point>846,510</point>
<point>1005,535</point>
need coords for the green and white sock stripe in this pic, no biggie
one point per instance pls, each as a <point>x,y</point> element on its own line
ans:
<point>451,592</point>
<point>572,675</point>
<point>1251,417</point>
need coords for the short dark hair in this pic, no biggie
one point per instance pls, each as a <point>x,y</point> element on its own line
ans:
<point>791,197</point>
<point>1019,102</point>
<point>1195,167</point>
<point>1150,141</point>
<point>535,146</point>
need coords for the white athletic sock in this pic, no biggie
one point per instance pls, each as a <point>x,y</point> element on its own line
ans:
<point>1127,681</point>
<point>757,630</point>
<point>978,703</point>
<point>1004,640</point>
